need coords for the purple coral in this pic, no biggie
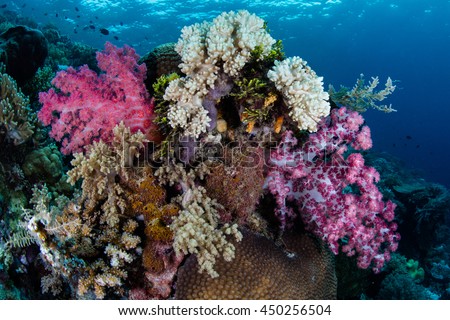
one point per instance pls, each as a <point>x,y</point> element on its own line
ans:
<point>335,195</point>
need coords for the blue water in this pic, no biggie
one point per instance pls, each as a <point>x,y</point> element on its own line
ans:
<point>408,40</point>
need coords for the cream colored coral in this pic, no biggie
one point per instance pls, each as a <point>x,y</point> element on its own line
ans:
<point>302,91</point>
<point>100,167</point>
<point>233,36</point>
<point>196,231</point>
<point>15,113</point>
<point>206,50</point>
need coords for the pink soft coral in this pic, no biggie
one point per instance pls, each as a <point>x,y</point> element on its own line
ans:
<point>336,196</point>
<point>86,106</point>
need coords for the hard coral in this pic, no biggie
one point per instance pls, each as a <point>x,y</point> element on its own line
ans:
<point>302,91</point>
<point>208,50</point>
<point>261,270</point>
<point>88,106</point>
<point>237,183</point>
<point>16,118</point>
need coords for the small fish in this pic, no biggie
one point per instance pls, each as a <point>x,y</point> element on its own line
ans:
<point>24,5</point>
<point>116,37</point>
<point>46,14</point>
<point>75,31</point>
<point>76,9</point>
<point>418,146</point>
<point>408,137</point>
<point>3,6</point>
<point>92,27</point>
<point>78,16</point>
<point>394,145</point>
<point>121,23</point>
<point>96,17</point>
<point>56,15</point>
<point>104,31</point>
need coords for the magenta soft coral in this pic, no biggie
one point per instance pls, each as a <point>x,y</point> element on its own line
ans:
<point>86,106</point>
<point>336,196</point>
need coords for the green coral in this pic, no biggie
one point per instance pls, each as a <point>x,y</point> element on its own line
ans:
<point>40,82</point>
<point>276,53</point>
<point>249,89</point>
<point>162,106</point>
<point>416,272</point>
<point>44,164</point>
<point>159,87</point>
<point>15,115</point>
<point>362,97</point>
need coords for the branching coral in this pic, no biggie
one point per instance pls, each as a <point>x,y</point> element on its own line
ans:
<point>15,115</point>
<point>90,241</point>
<point>207,50</point>
<point>99,171</point>
<point>362,97</point>
<point>302,91</point>
<point>197,230</point>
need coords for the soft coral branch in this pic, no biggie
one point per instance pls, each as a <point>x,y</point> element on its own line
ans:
<point>336,196</point>
<point>86,106</point>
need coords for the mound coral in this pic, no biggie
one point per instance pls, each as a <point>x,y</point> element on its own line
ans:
<point>86,107</point>
<point>261,270</point>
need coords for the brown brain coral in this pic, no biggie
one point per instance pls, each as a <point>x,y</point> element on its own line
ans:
<point>261,270</point>
<point>163,59</point>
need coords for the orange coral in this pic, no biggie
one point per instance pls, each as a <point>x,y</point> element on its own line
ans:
<point>150,260</point>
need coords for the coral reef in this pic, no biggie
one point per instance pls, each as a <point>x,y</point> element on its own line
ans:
<point>241,178</point>
<point>162,60</point>
<point>241,173</point>
<point>403,280</point>
<point>90,242</point>
<point>44,165</point>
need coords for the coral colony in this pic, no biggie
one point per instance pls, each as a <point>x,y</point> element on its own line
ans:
<point>239,156</point>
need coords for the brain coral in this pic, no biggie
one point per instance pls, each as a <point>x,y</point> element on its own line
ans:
<point>261,270</point>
